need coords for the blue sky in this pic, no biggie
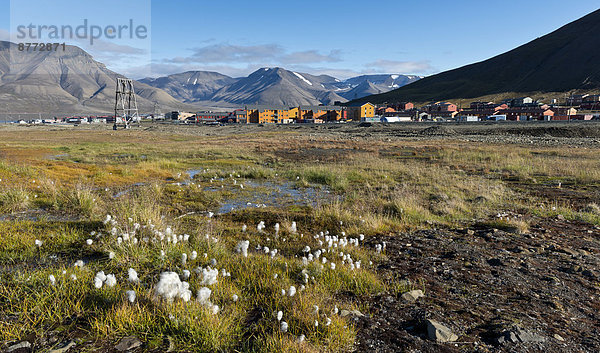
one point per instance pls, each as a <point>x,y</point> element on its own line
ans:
<point>319,37</point>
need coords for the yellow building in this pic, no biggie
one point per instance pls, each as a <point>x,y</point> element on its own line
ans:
<point>294,113</point>
<point>267,114</point>
<point>366,110</point>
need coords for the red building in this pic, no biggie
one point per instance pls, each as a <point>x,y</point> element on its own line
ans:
<point>441,107</point>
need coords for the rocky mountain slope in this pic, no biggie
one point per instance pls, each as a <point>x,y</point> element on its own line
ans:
<point>566,59</point>
<point>64,82</point>
<point>274,86</point>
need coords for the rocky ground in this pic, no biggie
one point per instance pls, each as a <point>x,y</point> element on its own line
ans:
<point>496,291</point>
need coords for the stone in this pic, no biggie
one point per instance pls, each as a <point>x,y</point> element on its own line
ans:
<point>128,343</point>
<point>558,337</point>
<point>354,313</point>
<point>64,348</point>
<point>439,333</point>
<point>527,337</point>
<point>413,295</point>
<point>495,262</point>
<point>590,273</point>
<point>20,345</point>
<point>519,335</point>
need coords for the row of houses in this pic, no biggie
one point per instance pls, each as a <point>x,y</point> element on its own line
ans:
<point>273,114</point>
<point>583,107</point>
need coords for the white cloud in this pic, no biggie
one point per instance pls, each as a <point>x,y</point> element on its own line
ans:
<point>310,56</point>
<point>228,53</point>
<point>263,54</point>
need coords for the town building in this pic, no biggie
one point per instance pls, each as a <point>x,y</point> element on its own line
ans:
<point>441,107</point>
<point>263,114</point>
<point>357,113</point>
<point>519,102</point>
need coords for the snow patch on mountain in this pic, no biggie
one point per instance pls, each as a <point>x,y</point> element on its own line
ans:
<point>302,78</point>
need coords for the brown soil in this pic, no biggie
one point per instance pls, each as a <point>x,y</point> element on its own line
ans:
<point>483,282</point>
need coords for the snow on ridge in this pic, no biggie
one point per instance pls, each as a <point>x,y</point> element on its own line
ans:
<point>302,78</point>
<point>395,77</point>
<point>196,81</point>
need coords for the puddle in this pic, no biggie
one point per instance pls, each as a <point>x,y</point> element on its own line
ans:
<point>270,194</point>
<point>193,172</point>
<point>257,194</point>
<point>57,157</point>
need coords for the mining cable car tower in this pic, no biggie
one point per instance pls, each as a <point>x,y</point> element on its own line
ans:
<point>126,109</point>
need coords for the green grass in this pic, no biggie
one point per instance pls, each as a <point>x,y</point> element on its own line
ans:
<point>376,189</point>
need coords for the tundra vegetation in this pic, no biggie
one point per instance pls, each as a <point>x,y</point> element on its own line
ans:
<point>111,234</point>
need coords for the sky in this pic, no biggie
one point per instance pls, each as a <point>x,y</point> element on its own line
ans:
<point>338,38</point>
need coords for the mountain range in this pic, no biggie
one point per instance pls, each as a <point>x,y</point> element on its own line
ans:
<point>276,86</point>
<point>71,82</point>
<point>564,60</point>
<point>65,82</point>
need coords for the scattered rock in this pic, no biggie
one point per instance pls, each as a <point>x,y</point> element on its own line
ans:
<point>18,346</point>
<point>65,347</point>
<point>413,295</point>
<point>354,313</point>
<point>519,335</point>
<point>439,332</point>
<point>590,273</point>
<point>128,343</point>
<point>558,337</point>
<point>495,262</point>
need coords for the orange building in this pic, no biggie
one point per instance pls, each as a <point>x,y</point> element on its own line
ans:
<point>267,114</point>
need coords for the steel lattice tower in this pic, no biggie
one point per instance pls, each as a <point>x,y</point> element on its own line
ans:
<point>126,108</point>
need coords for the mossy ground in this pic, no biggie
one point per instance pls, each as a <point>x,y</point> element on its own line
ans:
<point>380,189</point>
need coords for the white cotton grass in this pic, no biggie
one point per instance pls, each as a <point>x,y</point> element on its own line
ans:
<point>52,279</point>
<point>193,255</point>
<point>203,297</point>
<point>184,259</point>
<point>235,298</point>
<point>89,242</point>
<point>209,276</point>
<point>130,294</point>
<point>98,283</point>
<point>170,287</point>
<point>279,315</point>
<point>39,243</point>
<point>133,275</point>
<point>283,326</point>
<point>79,263</point>
<point>293,228</point>
<point>292,291</point>
<point>100,275</point>
<point>111,280</point>
<point>242,247</point>
<point>261,226</point>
